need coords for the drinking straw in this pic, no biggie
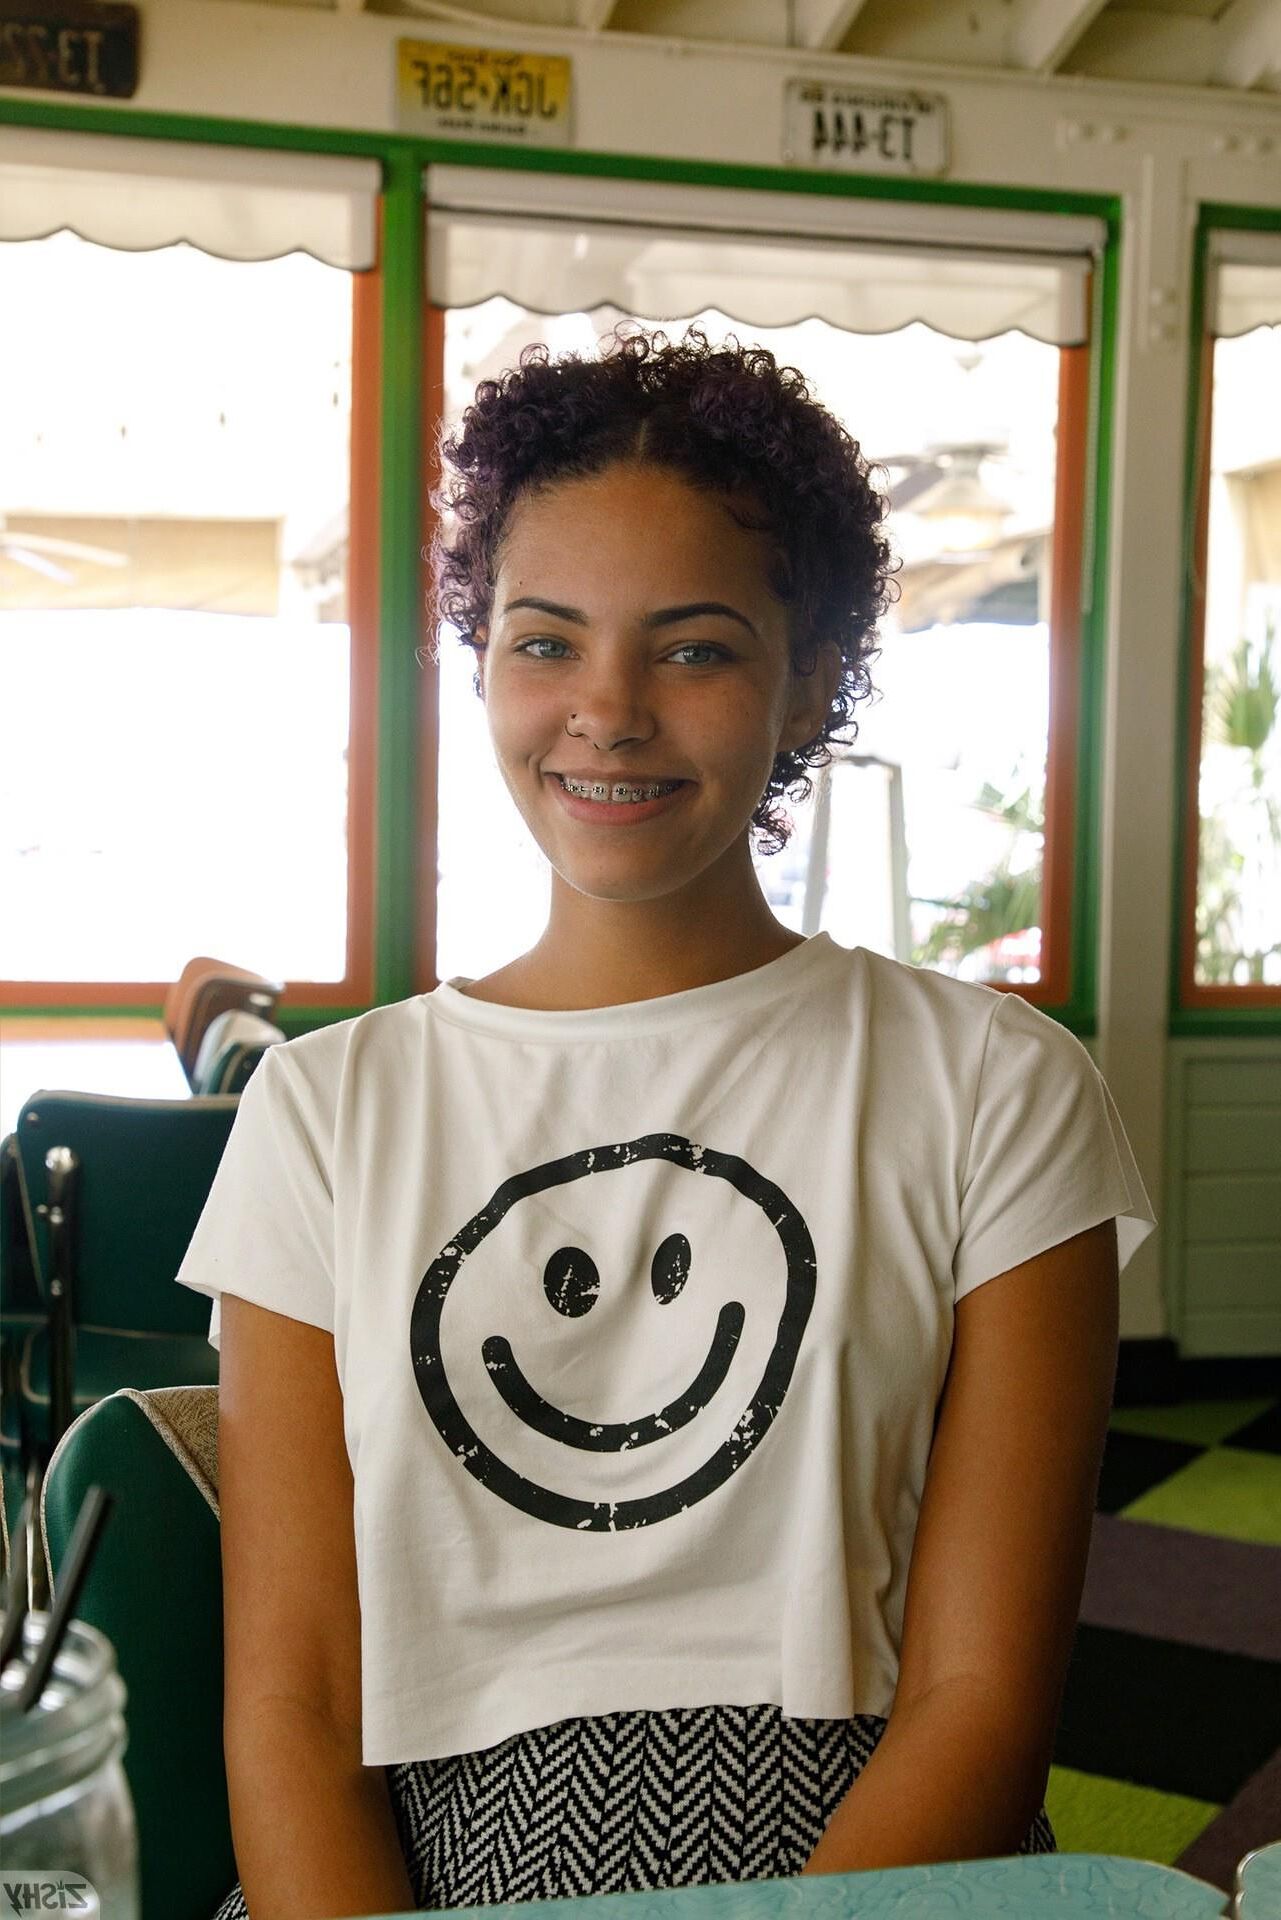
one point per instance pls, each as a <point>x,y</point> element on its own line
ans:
<point>15,1606</point>
<point>94,1509</point>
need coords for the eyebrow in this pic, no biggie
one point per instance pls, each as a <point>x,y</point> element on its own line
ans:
<point>664,617</point>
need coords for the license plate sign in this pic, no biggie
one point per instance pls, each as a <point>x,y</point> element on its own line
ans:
<point>851,130</point>
<point>482,93</point>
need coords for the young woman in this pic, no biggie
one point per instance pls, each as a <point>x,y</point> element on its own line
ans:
<point>663,1383</point>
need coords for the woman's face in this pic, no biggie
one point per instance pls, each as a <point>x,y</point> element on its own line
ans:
<point>634,635</point>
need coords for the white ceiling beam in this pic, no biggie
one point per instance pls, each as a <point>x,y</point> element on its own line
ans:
<point>593,15</point>
<point>1247,44</point>
<point>535,14</point>
<point>821,25</point>
<point>1046,31</point>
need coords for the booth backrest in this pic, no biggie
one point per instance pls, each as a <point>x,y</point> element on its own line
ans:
<point>146,1167</point>
<point>155,1590</point>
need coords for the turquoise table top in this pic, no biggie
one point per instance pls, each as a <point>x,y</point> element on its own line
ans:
<point>1258,1883</point>
<point>1060,1886</point>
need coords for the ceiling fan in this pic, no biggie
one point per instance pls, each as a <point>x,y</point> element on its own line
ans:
<point>923,470</point>
<point>32,550</point>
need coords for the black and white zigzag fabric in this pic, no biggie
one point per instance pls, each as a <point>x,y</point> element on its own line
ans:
<point>626,1802</point>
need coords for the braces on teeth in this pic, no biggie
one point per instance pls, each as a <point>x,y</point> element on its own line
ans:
<point>601,790</point>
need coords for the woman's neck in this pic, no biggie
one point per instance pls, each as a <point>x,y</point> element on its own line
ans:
<point>554,977</point>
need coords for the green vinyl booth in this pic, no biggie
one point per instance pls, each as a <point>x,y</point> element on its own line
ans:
<point>106,1191</point>
<point>22,1311</point>
<point>155,1590</point>
<point>232,1047</point>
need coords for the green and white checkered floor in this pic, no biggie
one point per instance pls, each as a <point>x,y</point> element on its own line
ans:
<point>1169,1743</point>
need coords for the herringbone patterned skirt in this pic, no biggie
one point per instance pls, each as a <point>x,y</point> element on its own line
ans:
<point>623,1802</point>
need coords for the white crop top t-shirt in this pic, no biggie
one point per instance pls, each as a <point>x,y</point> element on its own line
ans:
<point>642,1313</point>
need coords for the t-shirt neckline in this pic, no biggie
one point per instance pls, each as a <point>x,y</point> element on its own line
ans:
<point>720,999</point>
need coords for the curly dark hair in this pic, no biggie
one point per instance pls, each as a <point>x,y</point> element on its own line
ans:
<point>728,418</point>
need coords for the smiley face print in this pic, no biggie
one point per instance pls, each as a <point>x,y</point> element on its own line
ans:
<point>614,1333</point>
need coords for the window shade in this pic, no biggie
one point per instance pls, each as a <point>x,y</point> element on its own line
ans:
<point>239,203</point>
<point>1243,284</point>
<point>557,244</point>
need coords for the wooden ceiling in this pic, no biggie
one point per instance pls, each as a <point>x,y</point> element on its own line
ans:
<point>1232,44</point>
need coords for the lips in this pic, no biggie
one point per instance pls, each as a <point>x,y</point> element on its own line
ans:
<point>621,813</point>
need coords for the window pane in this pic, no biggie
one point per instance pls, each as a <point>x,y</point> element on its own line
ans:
<point>1238,923</point>
<point>924,838</point>
<point>173,557</point>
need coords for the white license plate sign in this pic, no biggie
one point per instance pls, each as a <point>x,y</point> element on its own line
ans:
<point>853,130</point>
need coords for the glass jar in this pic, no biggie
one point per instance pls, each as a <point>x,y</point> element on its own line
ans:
<point>66,1813</point>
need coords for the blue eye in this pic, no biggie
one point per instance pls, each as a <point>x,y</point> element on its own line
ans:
<point>705,646</point>
<point>526,644</point>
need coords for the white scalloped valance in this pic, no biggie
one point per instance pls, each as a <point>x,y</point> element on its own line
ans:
<point>240,203</point>
<point>559,243</point>
<point>1243,285</point>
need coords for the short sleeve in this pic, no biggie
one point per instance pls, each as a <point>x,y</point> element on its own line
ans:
<point>266,1231</point>
<point>1048,1156</point>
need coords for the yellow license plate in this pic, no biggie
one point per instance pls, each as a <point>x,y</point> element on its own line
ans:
<point>485,92</point>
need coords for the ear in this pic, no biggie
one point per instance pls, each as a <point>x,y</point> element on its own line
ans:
<point>812,696</point>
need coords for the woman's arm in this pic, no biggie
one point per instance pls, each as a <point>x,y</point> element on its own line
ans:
<point>998,1569</point>
<point>313,1828</point>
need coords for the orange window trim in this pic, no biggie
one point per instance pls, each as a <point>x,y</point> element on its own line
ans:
<point>1055,985</point>
<point>433,414</point>
<point>356,987</point>
<point>1191,993</point>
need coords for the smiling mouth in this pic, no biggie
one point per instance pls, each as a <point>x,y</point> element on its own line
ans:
<point>615,1436</point>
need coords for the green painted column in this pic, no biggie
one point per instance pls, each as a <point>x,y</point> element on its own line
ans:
<point>401,624</point>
